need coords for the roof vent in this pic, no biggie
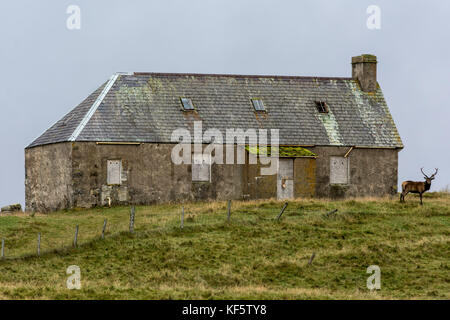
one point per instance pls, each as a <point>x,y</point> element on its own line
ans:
<point>321,106</point>
<point>187,104</point>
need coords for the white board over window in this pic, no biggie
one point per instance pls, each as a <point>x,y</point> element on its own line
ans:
<point>339,170</point>
<point>201,167</point>
<point>114,172</point>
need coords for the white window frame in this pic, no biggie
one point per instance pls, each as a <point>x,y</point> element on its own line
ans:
<point>111,180</point>
<point>347,173</point>
<point>196,165</point>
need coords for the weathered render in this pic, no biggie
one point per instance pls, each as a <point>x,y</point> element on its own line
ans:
<point>131,119</point>
<point>48,177</point>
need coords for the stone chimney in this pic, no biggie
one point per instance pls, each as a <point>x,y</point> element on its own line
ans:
<point>364,69</point>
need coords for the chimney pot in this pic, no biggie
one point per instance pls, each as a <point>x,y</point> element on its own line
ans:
<point>364,69</point>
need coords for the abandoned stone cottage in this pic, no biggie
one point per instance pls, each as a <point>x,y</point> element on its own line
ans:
<point>337,139</point>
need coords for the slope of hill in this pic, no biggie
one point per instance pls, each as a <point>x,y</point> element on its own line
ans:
<point>251,257</point>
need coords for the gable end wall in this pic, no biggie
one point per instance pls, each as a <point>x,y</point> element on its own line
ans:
<point>48,177</point>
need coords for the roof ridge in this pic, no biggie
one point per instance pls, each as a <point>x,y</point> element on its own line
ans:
<point>236,75</point>
<point>94,107</point>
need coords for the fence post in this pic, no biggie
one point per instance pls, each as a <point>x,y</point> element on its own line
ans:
<point>3,248</point>
<point>331,213</point>
<point>39,244</point>
<point>104,228</point>
<point>312,258</point>
<point>132,219</point>
<point>229,210</point>
<point>76,237</point>
<point>182,218</point>
<point>282,210</point>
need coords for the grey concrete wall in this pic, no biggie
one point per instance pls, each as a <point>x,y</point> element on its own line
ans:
<point>48,177</point>
<point>149,176</point>
<point>75,175</point>
<point>373,172</point>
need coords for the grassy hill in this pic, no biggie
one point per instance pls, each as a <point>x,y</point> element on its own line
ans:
<point>251,257</point>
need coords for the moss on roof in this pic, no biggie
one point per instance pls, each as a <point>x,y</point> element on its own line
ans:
<point>284,152</point>
<point>145,107</point>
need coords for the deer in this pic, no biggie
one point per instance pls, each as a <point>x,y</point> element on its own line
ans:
<point>417,186</point>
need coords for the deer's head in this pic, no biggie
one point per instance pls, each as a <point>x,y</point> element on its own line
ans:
<point>428,179</point>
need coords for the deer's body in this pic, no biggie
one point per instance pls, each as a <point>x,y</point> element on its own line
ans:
<point>417,186</point>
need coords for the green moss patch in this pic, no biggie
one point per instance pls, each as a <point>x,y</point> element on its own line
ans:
<point>284,152</point>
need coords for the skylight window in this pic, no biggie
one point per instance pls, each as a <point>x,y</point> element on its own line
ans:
<point>187,104</point>
<point>258,104</point>
<point>322,106</point>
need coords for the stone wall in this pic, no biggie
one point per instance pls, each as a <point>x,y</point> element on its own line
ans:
<point>48,177</point>
<point>148,176</point>
<point>67,175</point>
<point>373,172</point>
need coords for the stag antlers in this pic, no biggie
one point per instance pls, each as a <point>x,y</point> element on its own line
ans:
<point>432,176</point>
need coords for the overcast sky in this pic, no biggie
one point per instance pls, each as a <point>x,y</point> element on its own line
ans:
<point>47,69</point>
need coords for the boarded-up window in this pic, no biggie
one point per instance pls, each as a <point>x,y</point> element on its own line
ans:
<point>114,172</point>
<point>339,170</point>
<point>201,167</point>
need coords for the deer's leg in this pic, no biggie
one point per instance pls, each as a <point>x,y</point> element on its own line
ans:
<point>403,195</point>
<point>421,199</point>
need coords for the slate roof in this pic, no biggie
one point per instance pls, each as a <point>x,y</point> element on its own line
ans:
<point>146,107</point>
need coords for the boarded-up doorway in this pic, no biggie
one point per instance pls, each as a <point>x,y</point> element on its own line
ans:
<point>285,179</point>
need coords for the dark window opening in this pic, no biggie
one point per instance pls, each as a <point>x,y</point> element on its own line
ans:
<point>187,104</point>
<point>258,104</point>
<point>322,106</point>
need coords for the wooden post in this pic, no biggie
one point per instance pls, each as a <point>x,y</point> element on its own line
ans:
<point>282,210</point>
<point>348,152</point>
<point>75,240</point>
<point>3,248</point>
<point>331,212</point>
<point>182,218</point>
<point>312,258</point>
<point>39,244</point>
<point>104,228</point>
<point>132,219</point>
<point>229,210</point>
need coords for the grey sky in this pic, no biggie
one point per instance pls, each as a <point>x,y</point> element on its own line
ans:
<point>47,69</point>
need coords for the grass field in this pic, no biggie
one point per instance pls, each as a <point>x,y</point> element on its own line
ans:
<point>251,257</point>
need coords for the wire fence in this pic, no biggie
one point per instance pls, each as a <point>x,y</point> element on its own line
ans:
<point>133,220</point>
